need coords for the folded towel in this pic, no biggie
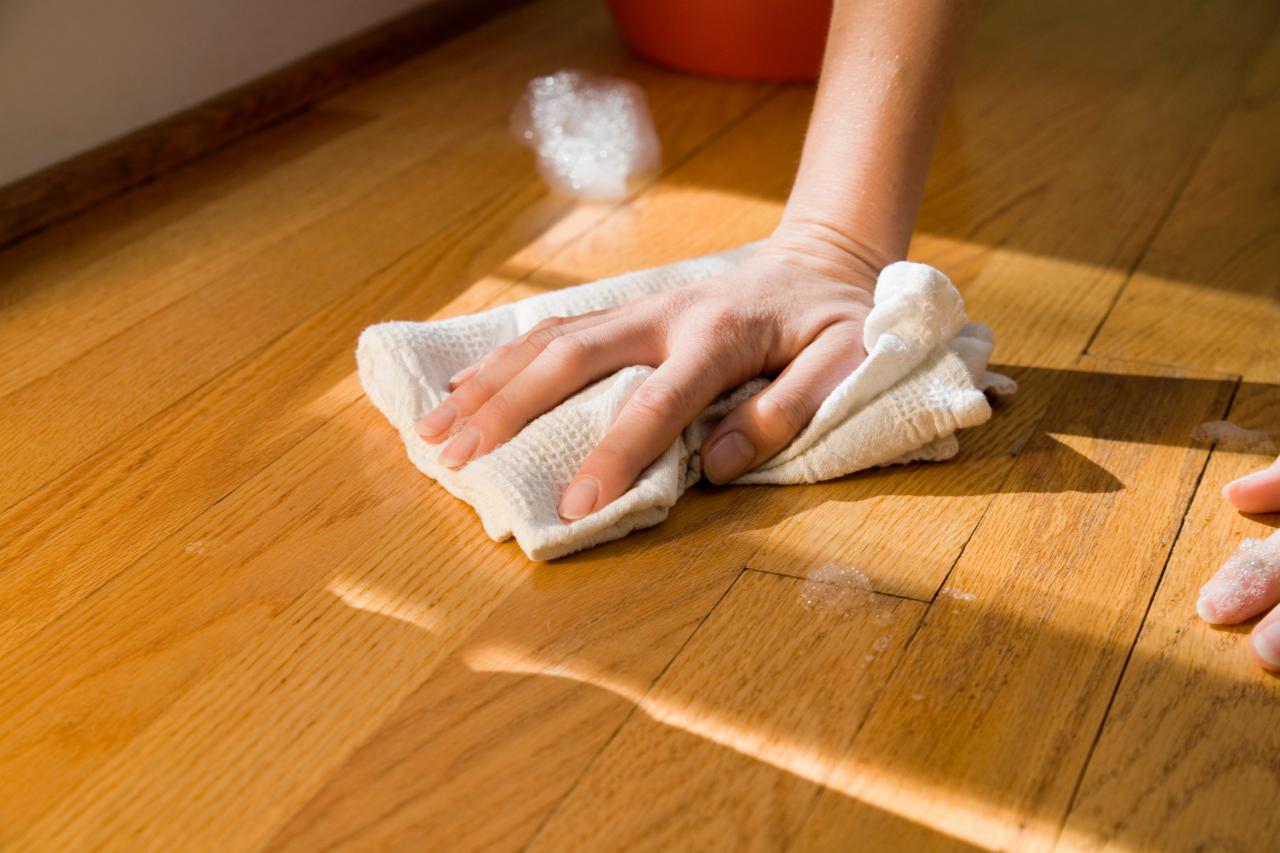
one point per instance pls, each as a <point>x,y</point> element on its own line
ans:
<point>923,379</point>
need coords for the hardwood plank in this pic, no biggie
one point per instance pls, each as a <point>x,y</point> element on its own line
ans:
<point>71,536</point>
<point>733,742</point>
<point>478,757</point>
<point>1017,661</point>
<point>203,696</point>
<point>1187,758</point>
<point>1208,290</point>
<point>49,426</point>
<point>108,271</point>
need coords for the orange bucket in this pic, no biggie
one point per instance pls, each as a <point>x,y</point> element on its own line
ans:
<point>741,39</point>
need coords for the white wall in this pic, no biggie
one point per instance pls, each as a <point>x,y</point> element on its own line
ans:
<point>77,73</point>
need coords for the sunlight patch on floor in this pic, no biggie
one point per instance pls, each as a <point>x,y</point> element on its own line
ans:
<point>372,599</point>
<point>961,816</point>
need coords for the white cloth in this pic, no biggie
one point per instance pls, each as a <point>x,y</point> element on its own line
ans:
<point>923,379</point>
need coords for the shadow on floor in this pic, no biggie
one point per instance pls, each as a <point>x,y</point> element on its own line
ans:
<point>515,719</point>
<point>530,700</point>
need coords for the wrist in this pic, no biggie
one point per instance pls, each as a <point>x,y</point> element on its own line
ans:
<point>827,251</point>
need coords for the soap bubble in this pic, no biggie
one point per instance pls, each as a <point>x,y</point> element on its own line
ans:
<point>591,134</point>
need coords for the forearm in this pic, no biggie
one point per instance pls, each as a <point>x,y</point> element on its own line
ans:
<point>886,79</point>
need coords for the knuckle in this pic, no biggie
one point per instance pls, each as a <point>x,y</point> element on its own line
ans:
<point>660,399</point>
<point>547,323</point>
<point>493,357</point>
<point>783,414</point>
<point>540,338</point>
<point>496,411</point>
<point>472,395</point>
<point>611,464</point>
<point>671,303</point>
<point>721,319</point>
<point>569,350</point>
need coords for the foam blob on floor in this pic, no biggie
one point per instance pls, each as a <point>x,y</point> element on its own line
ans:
<point>1228,436</point>
<point>836,588</point>
<point>592,134</point>
<point>1247,583</point>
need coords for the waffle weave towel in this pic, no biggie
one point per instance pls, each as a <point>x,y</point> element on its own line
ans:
<point>922,380</point>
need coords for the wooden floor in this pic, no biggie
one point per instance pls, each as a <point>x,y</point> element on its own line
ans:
<point>233,616</point>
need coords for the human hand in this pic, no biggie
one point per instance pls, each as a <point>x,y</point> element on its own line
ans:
<point>1249,582</point>
<point>794,310</point>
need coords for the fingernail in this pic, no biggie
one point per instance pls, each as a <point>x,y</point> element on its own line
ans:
<point>728,457</point>
<point>460,376</point>
<point>580,498</point>
<point>458,451</point>
<point>1266,642</point>
<point>1207,610</point>
<point>437,420</point>
<point>1240,481</point>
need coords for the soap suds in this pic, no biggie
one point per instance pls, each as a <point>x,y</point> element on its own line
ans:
<point>1248,582</point>
<point>1228,436</point>
<point>592,134</point>
<point>957,594</point>
<point>836,588</point>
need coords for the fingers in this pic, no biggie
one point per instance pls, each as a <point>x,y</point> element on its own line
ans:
<point>565,366</point>
<point>767,422</point>
<point>1247,583</point>
<point>1266,641</point>
<point>1240,590</point>
<point>474,385</point>
<point>1256,492</point>
<point>656,413</point>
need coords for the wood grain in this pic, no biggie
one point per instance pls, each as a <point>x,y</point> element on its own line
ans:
<point>1017,662</point>
<point>1190,754</point>
<point>232,616</point>
<point>290,619</point>
<point>1208,290</point>
<point>479,756</point>
<point>103,274</point>
<point>753,748</point>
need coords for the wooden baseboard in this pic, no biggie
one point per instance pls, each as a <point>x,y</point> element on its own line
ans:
<point>67,188</point>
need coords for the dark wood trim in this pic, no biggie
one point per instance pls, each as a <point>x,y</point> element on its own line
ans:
<point>67,188</point>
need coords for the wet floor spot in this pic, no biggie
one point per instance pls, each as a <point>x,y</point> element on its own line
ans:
<point>836,588</point>
<point>1228,436</point>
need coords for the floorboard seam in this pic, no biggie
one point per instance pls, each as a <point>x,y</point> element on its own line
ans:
<point>853,736</point>
<point>231,368</point>
<point>776,573</point>
<point>631,712</point>
<point>1231,104</point>
<point>1137,635</point>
